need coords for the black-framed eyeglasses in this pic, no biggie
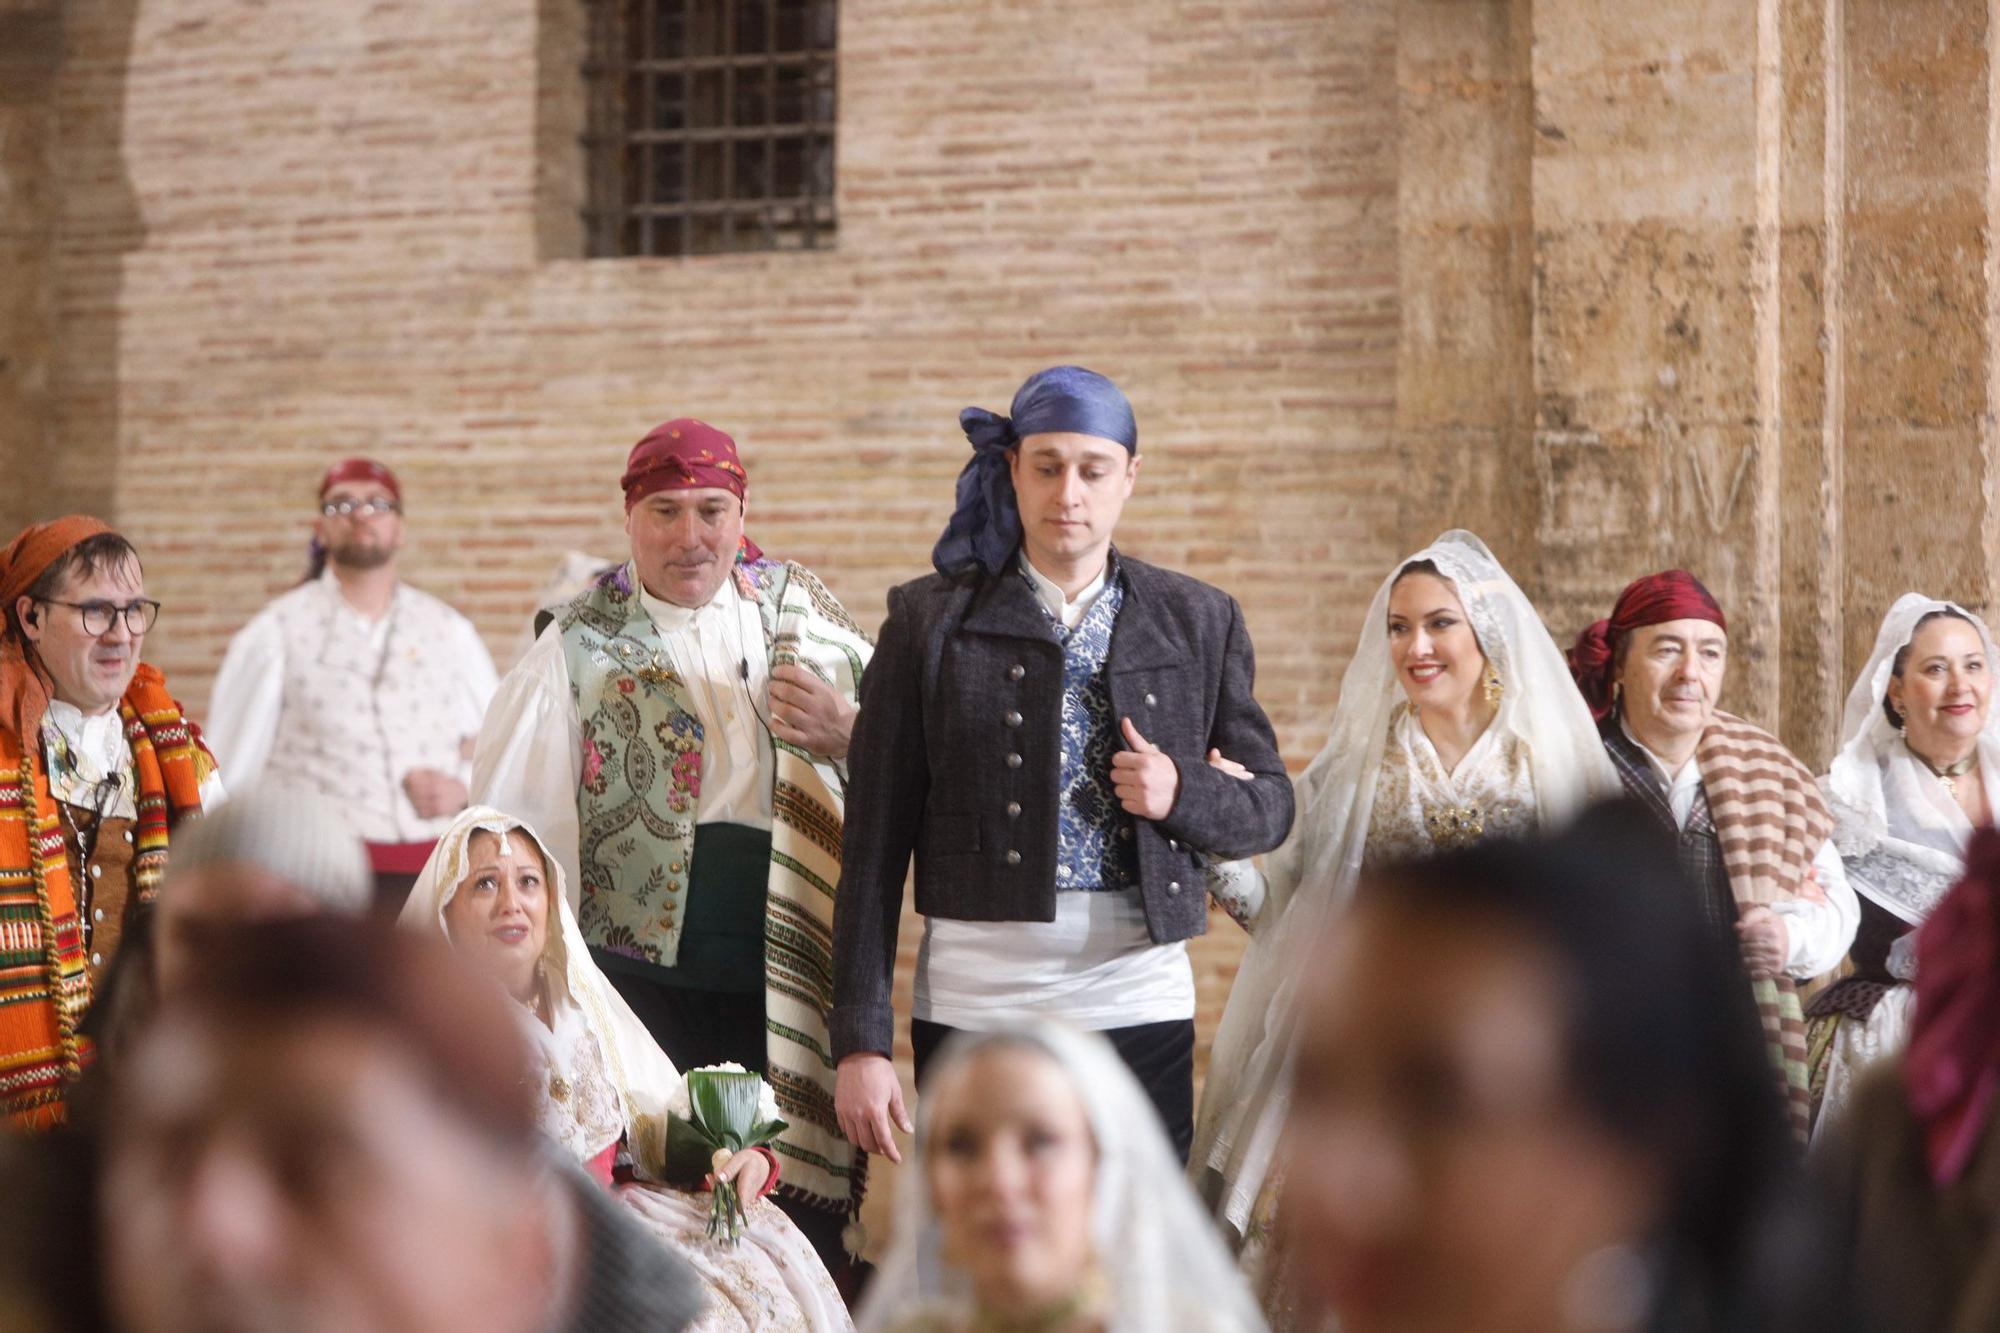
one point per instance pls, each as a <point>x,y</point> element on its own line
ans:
<point>373,507</point>
<point>139,616</point>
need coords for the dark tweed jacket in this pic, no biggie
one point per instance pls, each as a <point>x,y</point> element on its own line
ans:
<point>956,757</point>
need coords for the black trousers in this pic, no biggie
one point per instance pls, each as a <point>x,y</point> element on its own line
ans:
<point>697,1028</point>
<point>1160,1056</point>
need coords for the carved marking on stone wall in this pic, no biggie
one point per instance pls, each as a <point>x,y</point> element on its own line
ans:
<point>1715,508</point>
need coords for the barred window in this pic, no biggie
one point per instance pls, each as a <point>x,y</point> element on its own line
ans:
<point>711,126</point>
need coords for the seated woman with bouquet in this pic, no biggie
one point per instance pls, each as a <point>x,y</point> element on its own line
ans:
<point>608,1092</point>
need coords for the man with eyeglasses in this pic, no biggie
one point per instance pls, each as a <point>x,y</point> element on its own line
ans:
<point>358,687</point>
<point>678,734</point>
<point>98,770</point>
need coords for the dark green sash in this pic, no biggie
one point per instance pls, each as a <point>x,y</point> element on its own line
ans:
<point>722,936</point>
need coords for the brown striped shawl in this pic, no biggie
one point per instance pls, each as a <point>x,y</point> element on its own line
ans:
<point>1770,822</point>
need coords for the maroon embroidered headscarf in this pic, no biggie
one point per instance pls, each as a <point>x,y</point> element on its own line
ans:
<point>1953,1065</point>
<point>1672,594</point>
<point>686,455</point>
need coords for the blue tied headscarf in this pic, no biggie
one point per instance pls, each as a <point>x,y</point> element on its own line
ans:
<point>985,528</point>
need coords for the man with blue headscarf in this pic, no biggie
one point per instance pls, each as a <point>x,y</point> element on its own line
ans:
<point>1041,727</point>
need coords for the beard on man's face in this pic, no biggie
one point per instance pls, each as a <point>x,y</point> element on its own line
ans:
<point>361,555</point>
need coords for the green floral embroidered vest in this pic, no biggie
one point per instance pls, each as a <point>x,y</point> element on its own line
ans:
<point>641,774</point>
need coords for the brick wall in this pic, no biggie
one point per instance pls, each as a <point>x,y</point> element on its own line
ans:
<point>288,233</point>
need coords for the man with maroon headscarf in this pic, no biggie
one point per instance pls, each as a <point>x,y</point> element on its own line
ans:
<point>678,734</point>
<point>357,687</point>
<point>1750,824</point>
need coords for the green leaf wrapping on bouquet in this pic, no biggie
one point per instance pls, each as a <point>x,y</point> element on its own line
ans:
<point>688,1152</point>
<point>725,1103</point>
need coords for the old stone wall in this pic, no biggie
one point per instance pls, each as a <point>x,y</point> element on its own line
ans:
<point>1707,284</point>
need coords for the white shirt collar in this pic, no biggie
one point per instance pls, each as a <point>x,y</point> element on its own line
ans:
<point>93,733</point>
<point>1688,774</point>
<point>671,616</point>
<point>1069,610</point>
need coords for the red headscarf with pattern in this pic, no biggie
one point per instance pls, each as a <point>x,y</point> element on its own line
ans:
<point>685,455</point>
<point>1672,594</point>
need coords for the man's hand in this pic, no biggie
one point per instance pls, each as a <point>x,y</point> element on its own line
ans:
<point>1765,942</point>
<point>1229,766</point>
<point>866,1096</point>
<point>809,713</point>
<point>435,794</point>
<point>1146,780</point>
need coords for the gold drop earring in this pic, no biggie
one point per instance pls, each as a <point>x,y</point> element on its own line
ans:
<point>1494,689</point>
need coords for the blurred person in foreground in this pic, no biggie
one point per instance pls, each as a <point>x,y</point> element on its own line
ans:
<point>263,854</point>
<point>1914,1166</point>
<point>1531,1097</point>
<point>1047,1196</point>
<point>603,1087</point>
<point>332,1127</point>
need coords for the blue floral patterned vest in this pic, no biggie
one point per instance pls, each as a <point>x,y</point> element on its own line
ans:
<point>1095,848</point>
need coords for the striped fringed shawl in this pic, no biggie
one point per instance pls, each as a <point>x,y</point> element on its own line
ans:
<point>805,625</point>
<point>1770,821</point>
<point>44,984</point>
<point>1769,815</point>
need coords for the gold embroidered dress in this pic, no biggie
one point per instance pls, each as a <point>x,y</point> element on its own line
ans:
<point>1421,809</point>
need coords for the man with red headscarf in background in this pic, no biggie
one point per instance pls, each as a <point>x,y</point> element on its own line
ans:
<point>1748,819</point>
<point>98,767</point>
<point>678,734</point>
<point>357,687</point>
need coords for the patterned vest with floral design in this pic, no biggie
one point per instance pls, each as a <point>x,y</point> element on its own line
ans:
<point>641,774</point>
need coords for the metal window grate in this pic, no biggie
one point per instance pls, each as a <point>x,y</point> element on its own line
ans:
<point>711,126</point>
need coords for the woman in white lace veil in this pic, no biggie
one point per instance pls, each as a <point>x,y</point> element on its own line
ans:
<point>1901,823</point>
<point>1542,751</point>
<point>606,1090</point>
<point>1155,1264</point>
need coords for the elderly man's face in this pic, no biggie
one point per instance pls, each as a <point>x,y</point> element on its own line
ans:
<point>1670,679</point>
<point>307,1178</point>
<point>684,542</point>
<point>368,536</point>
<point>90,671</point>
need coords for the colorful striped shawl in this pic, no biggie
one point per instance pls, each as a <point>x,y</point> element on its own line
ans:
<point>44,985</point>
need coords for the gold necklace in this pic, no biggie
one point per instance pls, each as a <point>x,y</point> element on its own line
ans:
<point>1950,773</point>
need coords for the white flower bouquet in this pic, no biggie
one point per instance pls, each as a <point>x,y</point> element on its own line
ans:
<point>719,1111</point>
